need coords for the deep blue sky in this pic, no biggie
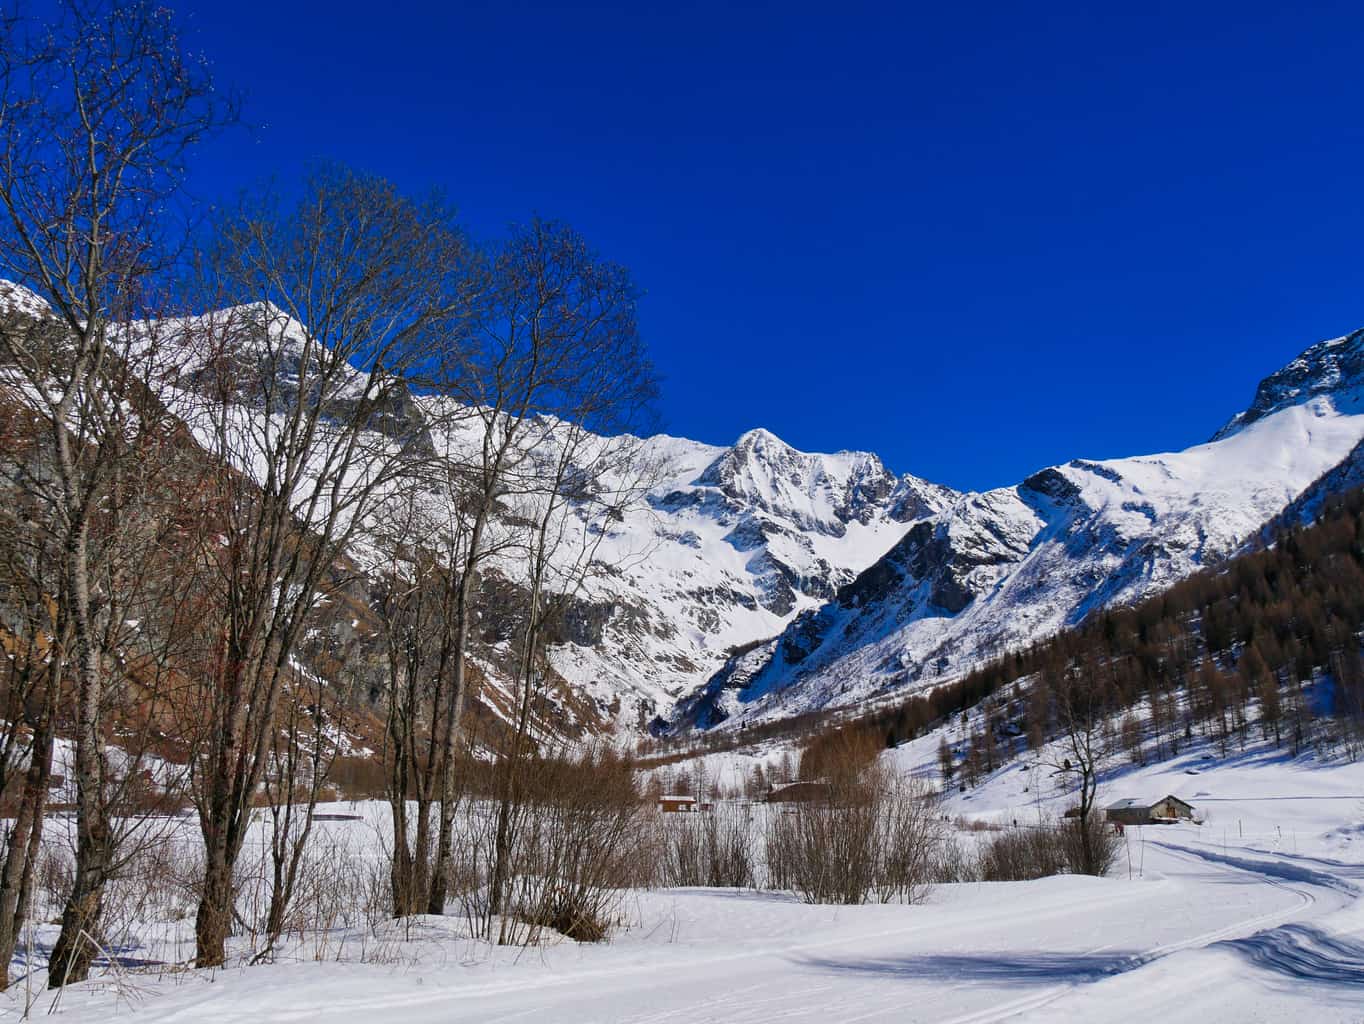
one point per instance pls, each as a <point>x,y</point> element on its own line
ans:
<point>974,238</point>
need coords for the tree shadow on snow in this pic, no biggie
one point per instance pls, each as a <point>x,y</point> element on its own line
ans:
<point>999,968</point>
<point>1305,953</point>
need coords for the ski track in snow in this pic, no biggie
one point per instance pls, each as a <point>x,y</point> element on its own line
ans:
<point>1256,916</point>
<point>958,965</point>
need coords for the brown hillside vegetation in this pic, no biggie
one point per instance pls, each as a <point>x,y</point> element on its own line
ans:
<point>1268,640</point>
<point>1275,631</point>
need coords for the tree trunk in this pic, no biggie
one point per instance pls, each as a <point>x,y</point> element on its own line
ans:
<point>75,948</point>
<point>16,878</point>
<point>410,873</point>
<point>501,846</point>
<point>73,951</point>
<point>401,870</point>
<point>1087,792</point>
<point>213,922</point>
<point>440,870</point>
<point>511,791</point>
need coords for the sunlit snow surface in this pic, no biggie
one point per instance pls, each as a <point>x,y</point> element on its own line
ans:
<point>1254,915</point>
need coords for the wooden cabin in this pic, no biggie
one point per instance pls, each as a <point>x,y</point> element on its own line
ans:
<point>1166,811</point>
<point>677,804</point>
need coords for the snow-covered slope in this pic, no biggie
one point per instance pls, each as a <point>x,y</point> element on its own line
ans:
<point>729,546</point>
<point>995,571</point>
<point>758,581</point>
<point>726,547</point>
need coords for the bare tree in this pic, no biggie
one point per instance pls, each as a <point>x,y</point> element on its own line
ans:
<point>339,305</point>
<point>424,569</point>
<point>553,352</point>
<point>35,636</point>
<point>144,627</point>
<point>583,470</point>
<point>1082,749</point>
<point>499,378</point>
<point>97,112</point>
<point>305,744</point>
<point>874,834</point>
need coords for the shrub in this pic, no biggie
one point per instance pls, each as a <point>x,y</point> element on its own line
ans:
<point>715,848</point>
<point>1022,854</point>
<point>1103,843</point>
<point>576,837</point>
<point>1046,849</point>
<point>875,835</point>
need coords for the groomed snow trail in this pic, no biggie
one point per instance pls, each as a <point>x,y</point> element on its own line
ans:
<point>1255,916</point>
<point>1056,949</point>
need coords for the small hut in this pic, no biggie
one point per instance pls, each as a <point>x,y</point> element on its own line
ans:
<point>1166,811</point>
<point>677,804</point>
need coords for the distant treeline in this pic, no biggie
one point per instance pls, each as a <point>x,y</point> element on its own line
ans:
<point>1274,632</point>
<point>1269,639</point>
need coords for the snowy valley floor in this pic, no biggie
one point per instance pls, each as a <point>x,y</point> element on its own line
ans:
<point>1255,916</point>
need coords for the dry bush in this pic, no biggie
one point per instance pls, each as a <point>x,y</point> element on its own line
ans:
<point>1104,844</point>
<point>716,849</point>
<point>153,886</point>
<point>876,834</point>
<point>910,838</point>
<point>950,861</point>
<point>1022,854</point>
<point>840,755</point>
<point>359,778</point>
<point>52,878</point>
<point>579,836</point>
<point>1046,849</point>
<point>976,825</point>
<point>340,895</point>
<point>150,885</point>
<point>298,795</point>
<point>151,802</point>
<point>826,852</point>
<point>593,822</point>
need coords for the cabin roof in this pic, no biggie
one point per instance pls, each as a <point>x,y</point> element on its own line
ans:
<point>1133,804</point>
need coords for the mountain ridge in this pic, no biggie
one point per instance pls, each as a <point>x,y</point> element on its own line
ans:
<point>1006,567</point>
<point>756,580</point>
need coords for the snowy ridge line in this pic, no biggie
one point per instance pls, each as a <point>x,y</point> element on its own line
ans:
<point>847,586</point>
<point>998,571</point>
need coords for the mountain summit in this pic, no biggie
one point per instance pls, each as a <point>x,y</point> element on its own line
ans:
<point>994,571</point>
<point>758,581</point>
<point>1333,368</point>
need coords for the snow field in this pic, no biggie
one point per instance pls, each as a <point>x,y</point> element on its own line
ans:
<point>1255,915</point>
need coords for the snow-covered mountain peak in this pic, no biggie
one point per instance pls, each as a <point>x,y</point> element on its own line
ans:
<point>818,492</point>
<point>1334,367</point>
<point>15,298</point>
<point>759,580</point>
<point>982,574</point>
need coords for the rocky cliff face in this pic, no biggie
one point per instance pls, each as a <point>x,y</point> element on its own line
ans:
<point>995,571</point>
<point>1334,368</point>
<point>756,580</point>
<point>733,544</point>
